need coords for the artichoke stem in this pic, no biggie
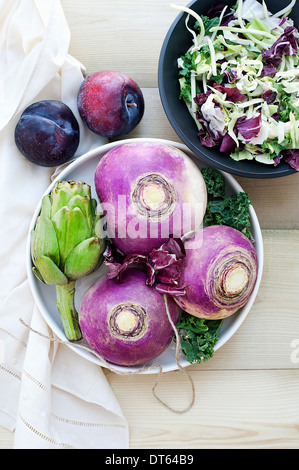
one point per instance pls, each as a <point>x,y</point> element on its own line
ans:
<point>66,306</point>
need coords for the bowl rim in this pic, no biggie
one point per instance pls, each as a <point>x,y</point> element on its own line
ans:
<point>268,169</point>
<point>33,281</point>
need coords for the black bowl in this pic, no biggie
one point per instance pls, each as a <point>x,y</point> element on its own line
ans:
<point>176,43</point>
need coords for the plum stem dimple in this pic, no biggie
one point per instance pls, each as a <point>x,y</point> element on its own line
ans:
<point>132,104</point>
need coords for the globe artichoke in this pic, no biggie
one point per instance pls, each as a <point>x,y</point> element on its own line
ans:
<point>65,245</point>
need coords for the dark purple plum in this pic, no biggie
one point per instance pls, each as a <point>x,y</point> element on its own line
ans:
<point>47,133</point>
<point>110,103</point>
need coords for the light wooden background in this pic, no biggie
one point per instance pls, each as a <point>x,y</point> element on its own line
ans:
<point>247,396</point>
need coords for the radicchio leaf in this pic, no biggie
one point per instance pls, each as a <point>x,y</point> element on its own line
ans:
<point>276,160</point>
<point>208,137</point>
<point>285,44</point>
<point>269,96</point>
<point>227,19</point>
<point>248,128</point>
<point>230,75</point>
<point>162,266</point>
<point>268,69</point>
<point>216,10</point>
<point>228,144</point>
<point>170,290</point>
<point>276,116</point>
<point>212,120</point>
<point>291,156</point>
<point>232,93</point>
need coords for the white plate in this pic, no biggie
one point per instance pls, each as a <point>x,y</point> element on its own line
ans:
<point>45,296</point>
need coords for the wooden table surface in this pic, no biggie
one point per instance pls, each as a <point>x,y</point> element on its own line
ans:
<point>247,395</point>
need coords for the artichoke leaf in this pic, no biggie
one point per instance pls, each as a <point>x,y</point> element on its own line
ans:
<point>49,272</point>
<point>44,240</point>
<point>63,192</point>
<point>84,258</point>
<point>84,203</point>
<point>59,199</point>
<point>37,274</point>
<point>71,229</point>
<point>46,206</point>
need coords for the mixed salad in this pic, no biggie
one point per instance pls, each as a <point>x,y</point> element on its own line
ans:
<point>240,81</point>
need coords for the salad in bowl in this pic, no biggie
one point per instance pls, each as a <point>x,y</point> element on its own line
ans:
<point>240,81</point>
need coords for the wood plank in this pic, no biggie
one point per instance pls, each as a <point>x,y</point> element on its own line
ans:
<point>119,35</point>
<point>232,409</point>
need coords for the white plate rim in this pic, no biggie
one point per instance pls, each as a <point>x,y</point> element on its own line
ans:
<point>52,324</point>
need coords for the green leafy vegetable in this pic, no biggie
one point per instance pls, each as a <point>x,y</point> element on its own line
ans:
<point>208,23</point>
<point>198,337</point>
<point>185,77</point>
<point>287,106</point>
<point>255,54</point>
<point>274,147</point>
<point>214,182</point>
<point>225,210</point>
<point>232,211</point>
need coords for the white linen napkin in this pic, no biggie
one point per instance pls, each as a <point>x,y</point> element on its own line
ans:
<point>52,397</point>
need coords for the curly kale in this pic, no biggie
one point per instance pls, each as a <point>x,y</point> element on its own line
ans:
<point>225,210</point>
<point>198,337</point>
<point>214,182</point>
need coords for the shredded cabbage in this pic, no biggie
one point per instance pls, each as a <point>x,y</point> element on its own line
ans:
<point>243,67</point>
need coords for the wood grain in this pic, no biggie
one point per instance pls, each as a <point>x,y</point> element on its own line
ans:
<point>233,409</point>
<point>119,35</point>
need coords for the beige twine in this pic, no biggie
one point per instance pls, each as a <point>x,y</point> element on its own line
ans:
<point>139,371</point>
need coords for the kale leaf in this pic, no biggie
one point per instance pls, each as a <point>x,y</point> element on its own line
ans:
<point>198,337</point>
<point>208,23</point>
<point>225,210</point>
<point>214,182</point>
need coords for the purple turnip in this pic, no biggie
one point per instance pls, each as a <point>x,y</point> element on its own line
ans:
<point>219,272</point>
<point>149,191</point>
<point>126,322</point>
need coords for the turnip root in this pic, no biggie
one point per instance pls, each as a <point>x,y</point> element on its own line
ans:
<point>219,272</point>
<point>126,322</point>
<point>149,191</point>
